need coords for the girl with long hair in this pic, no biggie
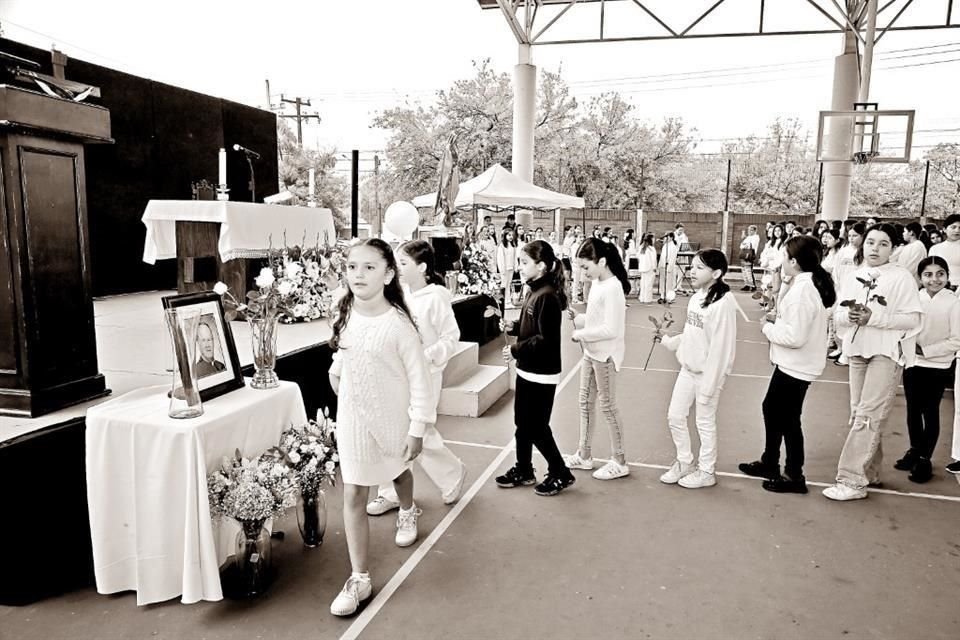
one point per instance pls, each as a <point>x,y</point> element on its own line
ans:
<point>878,326</point>
<point>600,332</point>
<point>506,260</point>
<point>705,350</point>
<point>537,354</point>
<point>385,403</point>
<point>647,266</point>
<point>797,351</point>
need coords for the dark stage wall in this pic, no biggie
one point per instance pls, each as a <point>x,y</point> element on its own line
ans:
<point>166,138</point>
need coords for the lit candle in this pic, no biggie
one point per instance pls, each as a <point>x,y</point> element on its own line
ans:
<point>223,167</point>
<point>310,188</point>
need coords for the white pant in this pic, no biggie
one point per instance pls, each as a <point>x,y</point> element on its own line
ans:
<point>646,286</point>
<point>684,396</point>
<point>955,452</point>
<point>437,461</point>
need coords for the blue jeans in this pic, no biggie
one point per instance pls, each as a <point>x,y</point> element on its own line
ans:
<point>598,381</point>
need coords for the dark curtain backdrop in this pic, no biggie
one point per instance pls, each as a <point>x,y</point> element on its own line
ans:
<point>166,138</point>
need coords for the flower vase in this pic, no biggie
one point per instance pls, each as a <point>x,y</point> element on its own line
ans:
<point>263,335</point>
<point>252,568</point>
<point>184,395</point>
<point>452,284</point>
<point>312,516</point>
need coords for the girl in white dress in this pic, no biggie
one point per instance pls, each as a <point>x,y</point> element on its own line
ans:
<point>385,404</point>
<point>506,265</point>
<point>647,267</point>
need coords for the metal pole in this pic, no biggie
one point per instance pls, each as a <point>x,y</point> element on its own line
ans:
<point>354,191</point>
<point>378,221</point>
<point>923,200</point>
<point>299,125</point>
<point>816,209</point>
<point>726,202</point>
<point>866,66</point>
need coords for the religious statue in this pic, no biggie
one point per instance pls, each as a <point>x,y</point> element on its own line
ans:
<point>449,174</point>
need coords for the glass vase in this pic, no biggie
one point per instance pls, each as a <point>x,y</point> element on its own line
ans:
<point>312,516</point>
<point>184,395</point>
<point>263,336</point>
<point>252,562</point>
<point>451,282</point>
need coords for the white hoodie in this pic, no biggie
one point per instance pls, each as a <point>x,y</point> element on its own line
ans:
<point>798,343</point>
<point>432,308</point>
<point>708,343</point>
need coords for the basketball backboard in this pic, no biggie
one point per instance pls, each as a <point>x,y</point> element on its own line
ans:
<point>865,134</point>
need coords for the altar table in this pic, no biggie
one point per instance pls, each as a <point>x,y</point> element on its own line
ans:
<point>147,491</point>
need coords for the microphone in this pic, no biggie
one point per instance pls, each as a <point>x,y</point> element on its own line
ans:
<point>249,152</point>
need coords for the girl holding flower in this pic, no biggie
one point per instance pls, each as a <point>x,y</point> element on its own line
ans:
<point>877,319</point>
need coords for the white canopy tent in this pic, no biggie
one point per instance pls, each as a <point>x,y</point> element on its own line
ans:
<point>498,187</point>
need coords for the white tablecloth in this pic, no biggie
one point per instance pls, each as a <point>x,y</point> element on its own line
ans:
<point>147,489</point>
<point>247,229</point>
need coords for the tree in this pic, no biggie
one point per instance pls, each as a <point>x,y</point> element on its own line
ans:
<point>331,190</point>
<point>943,194</point>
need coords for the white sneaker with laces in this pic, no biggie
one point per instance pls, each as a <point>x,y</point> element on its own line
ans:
<point>574,461</point>
<point>676,471</point>
<point>407,526</point>
<point>697,480</point>
<point>454,494</point>
<point>354,592</point>
<point>380,505</point>
<point>842,492</point>
<point>611,471</point>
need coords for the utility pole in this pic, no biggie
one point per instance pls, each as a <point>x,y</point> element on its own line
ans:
<point>376,196</point>
<point>299,116</point>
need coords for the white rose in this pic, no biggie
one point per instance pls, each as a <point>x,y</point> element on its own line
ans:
<point>286,287</point>
<point>462,278</point>
<point>330,467</point>
<point>294,457</point>
<point>220,288</point>
<point>293,269</point>
<point>265,279</point>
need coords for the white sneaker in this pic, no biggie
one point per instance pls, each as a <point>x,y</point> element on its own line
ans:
<point>611,471</point>
<point>697,480</point>
<point>380,506</point>
<point>574,461</point>
<point>407,526</point>
<point>354,591</point>
<point>676,471</point>
<point>454,494</point>
<point>842,492</point>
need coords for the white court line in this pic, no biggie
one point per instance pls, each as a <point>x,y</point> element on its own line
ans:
<point>381,598</point>
<point>474,444</point>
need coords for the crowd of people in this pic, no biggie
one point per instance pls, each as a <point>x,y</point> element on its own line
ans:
<point>860,293</point>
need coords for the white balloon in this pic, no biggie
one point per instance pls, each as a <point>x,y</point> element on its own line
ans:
<point>401,218</point>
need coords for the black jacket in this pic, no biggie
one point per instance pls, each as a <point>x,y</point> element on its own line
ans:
<point>538,331</point>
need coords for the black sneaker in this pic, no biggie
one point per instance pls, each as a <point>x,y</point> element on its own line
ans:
<point>922,471</point>
<point>759,469</point>
<point>517,477</point>
<point>784,484</point>
<point>953,467</point>
<point>907,462</point>
<point>551,486</point>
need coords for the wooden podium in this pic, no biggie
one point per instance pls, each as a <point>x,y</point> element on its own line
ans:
<point>48,351</point>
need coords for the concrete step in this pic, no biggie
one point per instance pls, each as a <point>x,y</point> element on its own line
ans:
<point>476,394</point>
<point>462,364</point>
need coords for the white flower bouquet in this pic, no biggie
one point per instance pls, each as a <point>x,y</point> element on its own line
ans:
<point>250,490</point>
<point>310,453</point>
<point>476,276</point>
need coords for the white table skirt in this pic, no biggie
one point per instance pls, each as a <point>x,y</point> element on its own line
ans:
<point>247,229</point>
<point>147,490</point>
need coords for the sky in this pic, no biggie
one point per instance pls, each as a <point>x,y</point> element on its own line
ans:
<point>353,58</point>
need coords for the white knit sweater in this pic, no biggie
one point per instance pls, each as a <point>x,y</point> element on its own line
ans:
<point>385,387</point>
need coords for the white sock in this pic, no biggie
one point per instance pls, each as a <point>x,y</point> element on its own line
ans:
<point>413,507</point>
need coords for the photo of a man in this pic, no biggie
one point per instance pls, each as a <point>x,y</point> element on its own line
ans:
<point>207,350</point>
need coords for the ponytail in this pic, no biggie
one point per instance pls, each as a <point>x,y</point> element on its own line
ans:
<point>808,252</point>
<point>593,249</point>
<point>715,260</point>
<point>541,251</point>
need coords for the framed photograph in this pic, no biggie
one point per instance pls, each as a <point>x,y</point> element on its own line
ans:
<point>217,365</point>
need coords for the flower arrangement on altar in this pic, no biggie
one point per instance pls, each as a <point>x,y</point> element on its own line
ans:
<point>251,490</point>
<point>294,287</point>
<point>309,451</point>
<point>476,276</point>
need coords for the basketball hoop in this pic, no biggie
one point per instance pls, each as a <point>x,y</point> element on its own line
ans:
<point>863,157</point>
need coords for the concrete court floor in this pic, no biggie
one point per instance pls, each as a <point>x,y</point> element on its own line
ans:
<point>630,558</point>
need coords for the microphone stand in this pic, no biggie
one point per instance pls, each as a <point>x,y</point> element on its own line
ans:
<point>253,184</point>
